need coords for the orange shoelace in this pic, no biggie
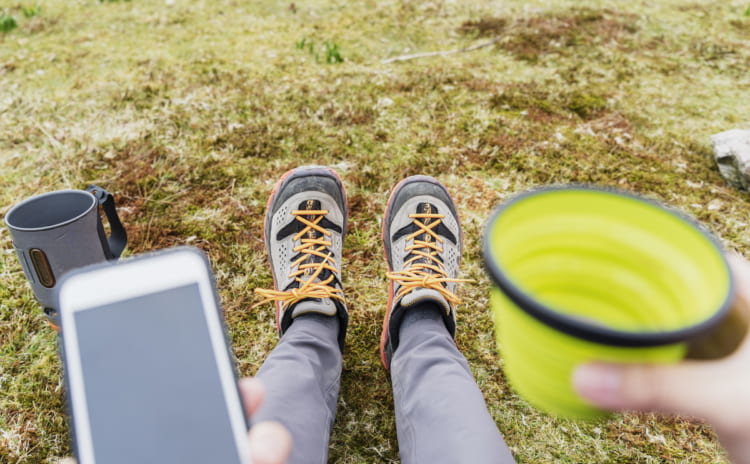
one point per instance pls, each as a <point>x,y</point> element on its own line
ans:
<point>431,272</point>
<point>307,273</point>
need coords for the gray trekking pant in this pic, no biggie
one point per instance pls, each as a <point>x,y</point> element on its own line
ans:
<point>441,416</point>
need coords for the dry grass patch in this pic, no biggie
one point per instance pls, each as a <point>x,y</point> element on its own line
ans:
<point>573,31</point>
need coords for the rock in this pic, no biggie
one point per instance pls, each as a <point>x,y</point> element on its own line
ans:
<point>732,153</point>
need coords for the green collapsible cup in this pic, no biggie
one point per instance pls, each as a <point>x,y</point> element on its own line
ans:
<point>583,274</point>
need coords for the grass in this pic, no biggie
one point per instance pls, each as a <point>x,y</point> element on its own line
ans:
<point>7,23</point>
<point>30,12</point>
<point>190,111</point>
<point>330,49</point>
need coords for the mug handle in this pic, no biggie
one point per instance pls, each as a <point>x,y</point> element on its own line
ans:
<point>118,238</point>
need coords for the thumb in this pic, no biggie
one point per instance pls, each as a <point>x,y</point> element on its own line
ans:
<point>690,388</point>
<point>270,443</point>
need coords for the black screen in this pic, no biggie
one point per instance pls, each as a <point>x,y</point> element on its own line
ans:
<point>152,384</point>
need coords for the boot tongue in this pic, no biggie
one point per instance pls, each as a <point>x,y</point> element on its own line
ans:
<point>314,305</point>
<point>426,208</point>
<point>310,205</point>
<point>423,295</point>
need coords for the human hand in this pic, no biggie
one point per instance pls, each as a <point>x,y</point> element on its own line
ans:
<point>716,391</point>
<point>270,442</point>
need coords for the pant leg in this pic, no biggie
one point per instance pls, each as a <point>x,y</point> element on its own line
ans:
<point>302,376</point>
<point>441,416</point>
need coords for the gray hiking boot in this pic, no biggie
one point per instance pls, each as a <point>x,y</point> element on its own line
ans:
<point>423,243</point>
<point>304,231</point>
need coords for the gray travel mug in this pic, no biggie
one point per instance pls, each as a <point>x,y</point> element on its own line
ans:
<point>59,231</point>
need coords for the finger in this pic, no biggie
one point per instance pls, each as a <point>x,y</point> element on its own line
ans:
<point>735,325</point>
<point>270,443</point>
<point>697,389</point>
<point>741,275</point>
<point>253,392</point>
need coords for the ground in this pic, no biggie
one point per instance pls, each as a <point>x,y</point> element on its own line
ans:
<point>190,110</point>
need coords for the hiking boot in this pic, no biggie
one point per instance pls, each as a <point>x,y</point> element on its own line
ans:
<point>422,240</point>
<point>304,231</point>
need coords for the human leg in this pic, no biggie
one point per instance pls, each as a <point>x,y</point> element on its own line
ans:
<point>441,416</point>
<point>301,376</point>
<point>304,229</point>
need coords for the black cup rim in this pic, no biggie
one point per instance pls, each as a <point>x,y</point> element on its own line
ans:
<point>26,202</point>
<point>593,332</point>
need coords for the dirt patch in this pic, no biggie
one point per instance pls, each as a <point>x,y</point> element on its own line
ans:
<point>614,122</point>
<point>480,85</point>
<point>37,24</point>
<point>166,198</point>
<point>346,115</point>
<point>529,39</point>
<point>506,142</point>
<point>541,35</point>
<point>8,67</point>
<point>428,80</point>
<point>254,139</point>
<point>475,195</point>
<point>741,26</point>
<point>484,27</point>
<point>135,168</point>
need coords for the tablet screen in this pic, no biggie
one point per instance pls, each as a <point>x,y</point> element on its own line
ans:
<point>152,385</point>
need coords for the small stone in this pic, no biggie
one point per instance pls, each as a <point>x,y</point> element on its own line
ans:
<point>715,204</point>
<point>732,153</point>
<point>384,102</point>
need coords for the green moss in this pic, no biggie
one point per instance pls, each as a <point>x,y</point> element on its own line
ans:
<point>583,102</point>
<point>586,105</point>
